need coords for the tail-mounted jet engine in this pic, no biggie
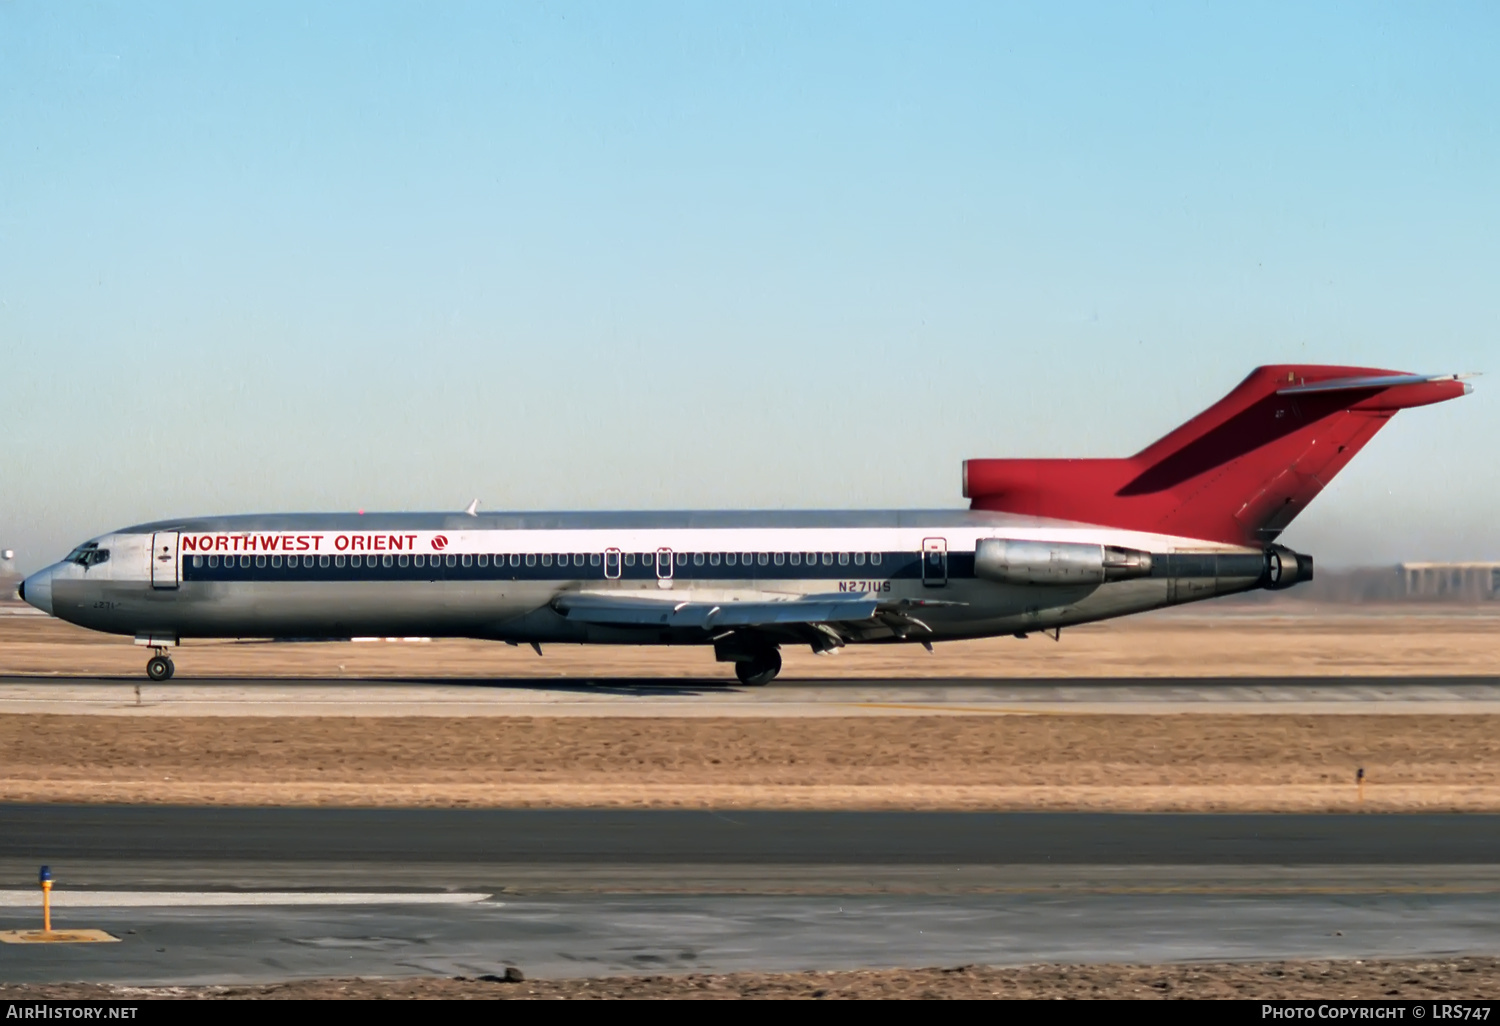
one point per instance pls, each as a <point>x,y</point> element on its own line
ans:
<point>1040,562</point>
<point>1285,568</point>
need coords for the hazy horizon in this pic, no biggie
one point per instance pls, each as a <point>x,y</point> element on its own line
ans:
<point>302,256</point>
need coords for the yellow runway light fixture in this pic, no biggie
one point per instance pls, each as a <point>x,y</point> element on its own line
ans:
<point>47,935</point>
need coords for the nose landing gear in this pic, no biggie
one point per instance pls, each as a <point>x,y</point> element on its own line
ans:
<point>160,666</point>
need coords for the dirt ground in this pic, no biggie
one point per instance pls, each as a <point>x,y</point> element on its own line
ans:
<point>1446,980</point>
<point>1196,762</point>
<point>1305,641</point>
<point>1186,762</point>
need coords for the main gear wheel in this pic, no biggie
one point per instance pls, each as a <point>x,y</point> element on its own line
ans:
<point>760,670</point>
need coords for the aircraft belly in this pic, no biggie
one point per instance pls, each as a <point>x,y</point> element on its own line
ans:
<point>433,608</point>
<point>301,609</point>
<point>1000,609</point>
<point>994,609</point>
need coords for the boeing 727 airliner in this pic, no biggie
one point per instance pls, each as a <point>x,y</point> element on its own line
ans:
<point>1045,544</point>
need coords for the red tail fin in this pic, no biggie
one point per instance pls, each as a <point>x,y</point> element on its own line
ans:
<point>1237,473</point>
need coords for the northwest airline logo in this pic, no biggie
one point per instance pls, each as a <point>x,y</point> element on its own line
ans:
<point>319,542</point>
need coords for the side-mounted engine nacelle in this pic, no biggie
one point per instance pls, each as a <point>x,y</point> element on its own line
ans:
<point>1073,563</point>
<point>1040,562</point>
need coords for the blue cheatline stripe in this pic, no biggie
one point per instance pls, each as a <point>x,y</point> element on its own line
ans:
<point>890,566</point>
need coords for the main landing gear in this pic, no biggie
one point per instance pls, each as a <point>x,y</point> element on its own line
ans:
<point>760,669</point>
<point>160,666</point>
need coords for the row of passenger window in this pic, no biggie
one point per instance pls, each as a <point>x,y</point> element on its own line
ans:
<point>339,561</point>
<point>561,559</point>
<point>750,558</point>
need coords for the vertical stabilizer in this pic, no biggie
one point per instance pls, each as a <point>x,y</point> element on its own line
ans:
<point>1239,472</point>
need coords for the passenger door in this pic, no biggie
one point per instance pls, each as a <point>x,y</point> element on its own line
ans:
<point>663,565</point>
<point>934,562</point>
<point>164,559</point>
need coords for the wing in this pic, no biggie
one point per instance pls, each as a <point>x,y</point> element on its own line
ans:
<point>629,611</point>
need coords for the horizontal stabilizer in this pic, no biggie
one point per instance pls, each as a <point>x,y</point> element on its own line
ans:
<point>644,612</point>
<point>1375,381</point>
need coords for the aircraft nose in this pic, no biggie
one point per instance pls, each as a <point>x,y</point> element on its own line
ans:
<point>37,590</point>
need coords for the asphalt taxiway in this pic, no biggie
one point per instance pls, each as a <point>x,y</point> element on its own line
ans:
<point>593,936</point>
<point>586,893</point>
<point>185,838</point>
<point>630,696</point>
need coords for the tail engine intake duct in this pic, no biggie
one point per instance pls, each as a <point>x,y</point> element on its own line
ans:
<point>1040,562</point>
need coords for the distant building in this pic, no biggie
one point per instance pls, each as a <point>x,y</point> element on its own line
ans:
<point>9,576</point>
<point>1455,582</point>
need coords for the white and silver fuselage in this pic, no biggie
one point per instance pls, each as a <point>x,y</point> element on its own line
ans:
<point>524,577</point>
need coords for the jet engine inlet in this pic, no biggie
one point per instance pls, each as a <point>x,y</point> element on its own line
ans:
<point>1039,562</point>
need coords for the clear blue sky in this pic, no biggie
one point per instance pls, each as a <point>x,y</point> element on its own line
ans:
<point>567,255</point>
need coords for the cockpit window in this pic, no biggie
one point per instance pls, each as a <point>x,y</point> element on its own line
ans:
<point>88,555</point>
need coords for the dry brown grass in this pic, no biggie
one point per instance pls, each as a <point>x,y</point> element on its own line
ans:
<point>1177,762</point>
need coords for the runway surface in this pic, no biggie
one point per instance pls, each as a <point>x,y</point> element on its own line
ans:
<point>673,697</point>
<point>590,893</point>
<point>396,837</point>
<point>617,936</point>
